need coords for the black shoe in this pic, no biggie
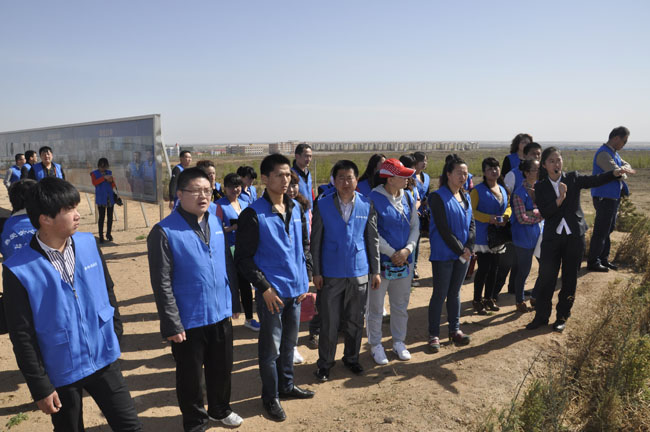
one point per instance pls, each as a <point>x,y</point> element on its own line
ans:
<point>355,368</point>
<point>597,268</point>
<point>297,393</point>
<point>312,343</point>
<point>559,325</point>
<point>101,239</point>
<point>535,324</point>
<point>109,237</point>
<point>610,266</point>
<point>322,374</point>
<point>274,410</point>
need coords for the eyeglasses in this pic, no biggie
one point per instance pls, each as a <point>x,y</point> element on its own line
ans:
<point>199,192</point>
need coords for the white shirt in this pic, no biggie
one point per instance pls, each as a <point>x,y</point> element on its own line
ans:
<point>346,209</point>
<point>510,181</point>
<point>562,226</point>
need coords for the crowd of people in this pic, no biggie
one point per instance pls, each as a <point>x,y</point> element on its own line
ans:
<point>356,239</point>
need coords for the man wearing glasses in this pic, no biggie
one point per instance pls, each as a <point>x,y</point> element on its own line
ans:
<point>194,283</point>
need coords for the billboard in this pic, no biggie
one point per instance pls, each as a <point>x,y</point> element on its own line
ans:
<point>131,145</point>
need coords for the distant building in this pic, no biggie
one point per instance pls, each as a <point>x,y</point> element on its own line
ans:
<point>395,146</point>
<point>248,149</point>
<point>285,147</point>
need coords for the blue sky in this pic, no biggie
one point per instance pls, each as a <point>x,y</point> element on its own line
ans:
<point>261,71</point>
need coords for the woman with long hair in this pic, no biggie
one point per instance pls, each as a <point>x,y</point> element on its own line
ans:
<point>557,195</point>
<point>451,235</point>
<point>516,154</point>
<point>367,180</point>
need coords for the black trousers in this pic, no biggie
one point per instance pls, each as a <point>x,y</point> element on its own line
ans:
<point>507,265</point>
<point>604,224</point>
<point>108,389</point>
<point>102,213</point>
<point>561,250</point>
<point>246,295</point>
<point>486,274</point>
<point>209,349</point>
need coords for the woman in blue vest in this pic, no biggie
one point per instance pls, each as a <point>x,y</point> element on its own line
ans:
<point>398,226</point>
<point>367,179</point>
<point>490,207</point>
<point>526,227</point>
<point>451,235</point>
<point>228,209</point>
<point>102,179</point>
<point>516,155</point>
<point>248,176</point>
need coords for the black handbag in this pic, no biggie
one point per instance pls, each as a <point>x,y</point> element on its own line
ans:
<point>499,235</point>
<point>3,318</point>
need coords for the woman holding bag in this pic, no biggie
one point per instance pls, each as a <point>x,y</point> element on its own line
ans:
<point>102,179</point>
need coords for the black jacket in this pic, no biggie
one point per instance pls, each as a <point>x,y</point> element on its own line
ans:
<point>570,209</point>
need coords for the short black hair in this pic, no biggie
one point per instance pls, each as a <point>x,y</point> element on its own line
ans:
<point>345,164</point>
<point>48,197</point>
<point>29,154</point>
<point>620,132</point>
<point>232,180</point>
<point>271,161</point>
<point>102,162</point>
<point>526,165</point>
<point>407,160</point>
<point>182,153</point>
<point>188,175</point>
<point>419,156</point>
<point>247,171</point>
<point>44,149</point>
<point>489,162</point>
<point>205,164</point>
<point>18,193</point>
<point>530,146</point>
<point>18,156</point>
<point>300,149</point>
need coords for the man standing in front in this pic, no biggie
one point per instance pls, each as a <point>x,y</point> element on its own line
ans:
<point>607,198</point>
<point>185,162</point>
<point>62,315</point>
<point>345,250</point>
<point>45,168</point>
<point>192,274</point>
<point>271,251</point>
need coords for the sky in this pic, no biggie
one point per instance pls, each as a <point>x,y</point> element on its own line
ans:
<point>265,71</point>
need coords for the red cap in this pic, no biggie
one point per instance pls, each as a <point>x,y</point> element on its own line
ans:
<point>394,168</point>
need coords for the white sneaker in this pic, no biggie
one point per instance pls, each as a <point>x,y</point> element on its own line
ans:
<point>378,354</point>
<point>233,420</point>
<point>297,358</point>
<point>400,349</point>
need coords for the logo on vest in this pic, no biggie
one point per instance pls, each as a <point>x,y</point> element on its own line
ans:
<point>89,266</point>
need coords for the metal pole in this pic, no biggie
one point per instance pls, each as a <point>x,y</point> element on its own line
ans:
<point>126,216</point>
<point>162,211</point>
<point>90,206</point>
<point>144,215</point>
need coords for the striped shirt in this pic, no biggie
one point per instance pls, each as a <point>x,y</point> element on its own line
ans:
<point>63,262</point>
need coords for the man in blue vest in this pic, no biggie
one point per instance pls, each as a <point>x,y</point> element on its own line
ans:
<point>193,278</point>
<point>300,166</point>
<point>45,168</point>
<point>345,250</point>
<point>185,162</point>
<point>607,198</point>
<point>13,173</point>
<point>272,252</point>
<point>30,160</point>
<point>62,315</point>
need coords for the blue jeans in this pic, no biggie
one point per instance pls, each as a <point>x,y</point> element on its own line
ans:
<point>524,262</point>
<point>277,339</point>
<point>448,277</point>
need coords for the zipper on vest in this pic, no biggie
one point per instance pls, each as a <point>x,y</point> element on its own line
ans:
<point>83,326</point>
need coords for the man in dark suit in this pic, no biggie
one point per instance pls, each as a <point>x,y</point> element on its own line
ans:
<point>557,196</point>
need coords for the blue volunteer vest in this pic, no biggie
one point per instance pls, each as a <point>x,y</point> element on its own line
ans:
<point>15,174</point>
<point>40,172</point>
<point>519,178</point>
<point>488,204</point>
<point>613,188</point>
<point>104,190</point>
<point>514,160</point>
<point>249,196</point>
<point>230,213</point>
<point>524,236</point>
<point>29,166</point>
<point>279,255</point>
<point>199,280</point>
<point>423,187</point>
<point>343,251</point>
<point>393,226</point>
<point>468,182</point>
<point>16,234</point>
<point>459,220</point>
<point>305,187</point>
<point>363,187</point>
<point>73,325</point>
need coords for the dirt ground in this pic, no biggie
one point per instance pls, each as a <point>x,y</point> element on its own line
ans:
<point>447,391</point>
